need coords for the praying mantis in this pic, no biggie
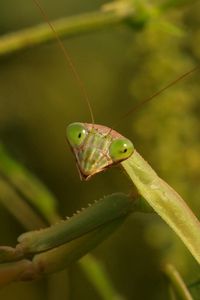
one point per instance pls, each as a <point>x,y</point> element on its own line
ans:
<point>96,148</point>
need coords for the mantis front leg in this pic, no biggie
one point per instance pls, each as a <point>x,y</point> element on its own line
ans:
<point>54,248</point>
<point>165,201</point>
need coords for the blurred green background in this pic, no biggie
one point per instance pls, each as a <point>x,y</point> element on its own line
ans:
<point>120,67</point>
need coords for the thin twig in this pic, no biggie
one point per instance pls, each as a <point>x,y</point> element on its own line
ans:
<point>177,282</point>
<point>65,27</point>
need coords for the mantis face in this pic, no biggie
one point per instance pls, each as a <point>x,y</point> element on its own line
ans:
<point>96,147</point>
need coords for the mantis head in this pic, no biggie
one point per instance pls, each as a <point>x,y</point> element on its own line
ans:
<point>96,147</point>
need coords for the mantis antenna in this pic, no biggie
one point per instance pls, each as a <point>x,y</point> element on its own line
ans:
<point>68,59</point>
<point>80,82</point>
<point>136,107</point>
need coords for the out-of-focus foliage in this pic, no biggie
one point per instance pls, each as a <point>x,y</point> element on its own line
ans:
<point>120,67</point>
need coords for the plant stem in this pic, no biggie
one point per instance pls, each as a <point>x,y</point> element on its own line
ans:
<point>177,282</point>
<point>65,27</point>
<point>18,207</point>
<point>98,276</point>
<point>171,293</point>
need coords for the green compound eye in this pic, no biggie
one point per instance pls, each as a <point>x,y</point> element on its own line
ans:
<point>121,149</point>
<point>76,133</point>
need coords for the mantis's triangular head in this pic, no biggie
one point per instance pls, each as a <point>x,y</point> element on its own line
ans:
<point>97,147</point>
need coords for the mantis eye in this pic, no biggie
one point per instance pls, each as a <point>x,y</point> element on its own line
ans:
<point>121,149</point>
<point>76,133</point>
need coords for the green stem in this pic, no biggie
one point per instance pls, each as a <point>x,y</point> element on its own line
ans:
<point>18,207</point>
<point>65,27</point>
<point>172,295</point>
<point>26,185</point>
<point>177,282</point>
<point>98,276</point>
